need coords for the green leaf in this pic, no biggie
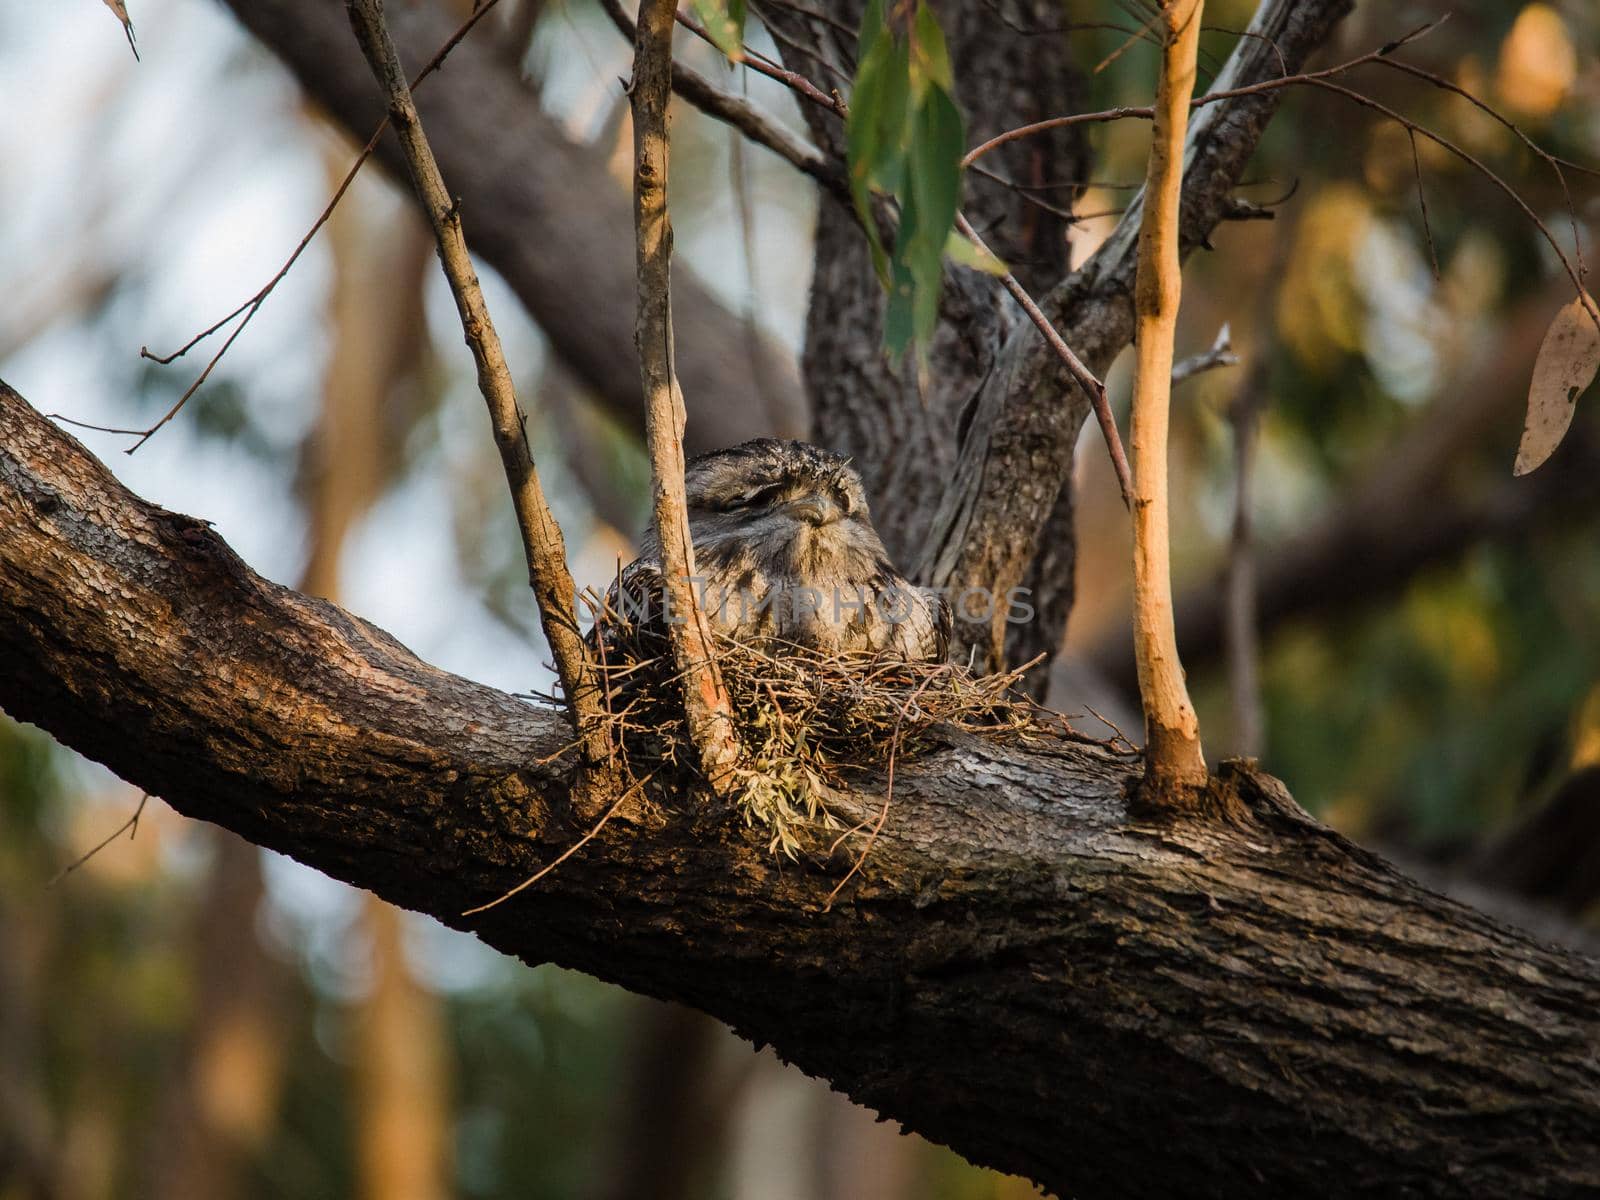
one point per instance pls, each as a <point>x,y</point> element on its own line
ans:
<point>931,56</point>
<point>724,21</point>
<point>905,139</point>
<point>933,194</point>
<point>872,27</point>
<point>875,135</point>
<point>959,250</point>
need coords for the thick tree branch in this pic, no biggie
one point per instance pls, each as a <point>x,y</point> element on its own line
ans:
<point>1023,972</point>
<point>544,211</point>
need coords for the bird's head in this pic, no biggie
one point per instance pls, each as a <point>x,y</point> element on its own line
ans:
<point>785,500</point>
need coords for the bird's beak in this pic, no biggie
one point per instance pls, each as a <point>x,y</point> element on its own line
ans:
<point>816,510</point>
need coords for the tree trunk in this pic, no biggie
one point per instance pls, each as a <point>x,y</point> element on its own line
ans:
<point>1022,970</point>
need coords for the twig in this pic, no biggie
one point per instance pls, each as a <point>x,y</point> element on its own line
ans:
<point>253,305</point>
<point>1075,366</point>
<point>706,706</point>
<point>816,14</point>
<point>1422,203</point>
<point>793,80</point>
<point>1144,112</point>
<point>1219,355</point>
<point>1147,112</point>
<point>1140,34</point>
<point>742,115</point>
<point>542,542</point>
<point>1383,56</point>
<point>1244,415</point>
<point>131,825</point>
<point>888,789</point>
<point>1116,733</point>
<point>877,828</point>
<point>1466,156</point>
<point>565,854</point>
<point>1555,163</point>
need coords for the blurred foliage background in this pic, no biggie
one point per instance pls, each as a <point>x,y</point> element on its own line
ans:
<point>182,1016</point>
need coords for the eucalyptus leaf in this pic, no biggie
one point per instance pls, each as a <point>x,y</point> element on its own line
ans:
<point>724,22</point>
<point>904,140</point>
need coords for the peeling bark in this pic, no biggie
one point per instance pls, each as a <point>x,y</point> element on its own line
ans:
<point>1025,972</point>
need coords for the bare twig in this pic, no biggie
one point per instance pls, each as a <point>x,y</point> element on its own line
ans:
<point>762,65</point>
<point>1383,56</point>
<point>877,828</point>
<point>905,708</point>
<point>706,705</point>
<point>542,542</point>
<point>1422,203</point>
<point>1075,366</point>
<point>1555,163</point>
<point>1142,33</point>
<point>1220,354</point>
<point>1143,112</point>
<point>1482,168</point>
<point>1243,636</point>
<point>742,115</point>
<point>1175,768</point>
<point>565,854</point>
<point>253,305</point>
<point>130,826</point>
<point>1148,112</point>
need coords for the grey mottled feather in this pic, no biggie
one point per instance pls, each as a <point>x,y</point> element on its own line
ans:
<point>775,523</point>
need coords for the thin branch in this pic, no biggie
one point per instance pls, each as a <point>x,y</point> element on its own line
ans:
<point>1219,354</point>
<point>1478,164</point>
<point>1422,204</point>
<point>1555,163</point>
<point>1576,271</point>
<point>1145,112</point>
<point>1075,366</point>
<point>565,854</point>
<point>815,14</point>
<point>760,64</point>
<point>1148,112</point>
<point>542,543</point>
<point>742,115</point>
<point>1138,35</point>
<point>707,708</point>
<point>130,826</point>
<point>253,305</point>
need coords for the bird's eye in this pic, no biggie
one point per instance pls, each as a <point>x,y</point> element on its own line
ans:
<point>759,497</point>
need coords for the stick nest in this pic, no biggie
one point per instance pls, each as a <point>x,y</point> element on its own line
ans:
<point>805,721</point>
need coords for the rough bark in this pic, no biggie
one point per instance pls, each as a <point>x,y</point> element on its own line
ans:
<point>1024,972</point>
<point>541,209</point>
